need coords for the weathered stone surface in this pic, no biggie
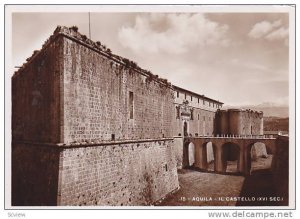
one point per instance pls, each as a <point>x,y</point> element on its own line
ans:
<point>36,91</point>
<point>73,94</point>
<point>239,122</point>
<point>96,99</point>
<point>178,147</point>
<point>124,174</point>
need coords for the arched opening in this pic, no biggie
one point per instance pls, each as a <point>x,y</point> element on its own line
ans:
<point>210,149</point>
<point>230,157</point>
<point>191,154</point>
<point>188,155</point>
<point>185,131</point>
<point>261,158</point>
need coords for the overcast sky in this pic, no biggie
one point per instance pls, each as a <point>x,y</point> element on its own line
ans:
<point>237,58</point>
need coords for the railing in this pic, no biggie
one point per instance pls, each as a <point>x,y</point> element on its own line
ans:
<point>231,136</point>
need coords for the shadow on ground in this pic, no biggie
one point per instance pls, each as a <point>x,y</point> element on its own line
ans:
<point>198,188</point>
<point>259,186</point>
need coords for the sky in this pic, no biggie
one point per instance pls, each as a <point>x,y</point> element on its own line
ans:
<point>236,58</point>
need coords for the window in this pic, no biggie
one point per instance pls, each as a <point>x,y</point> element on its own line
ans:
<point>198,117</point>
<point>192,114</point>
<point>203,102</point>
<point>208,103</point>
<point>213,104</point>
<point>198,100</point>
<point>177,112</point>
<point>130,104</point>
<point>191,98</point>
<point>184,96</point>
<point>177,93</point>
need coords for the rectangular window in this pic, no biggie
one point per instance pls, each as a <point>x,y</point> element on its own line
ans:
<point>203,102</point>
<point>198,100</point>
<point>208,103</point>
<point>177,112</point>
<point>130,104</point>
<point>198,117</point>
<point>184,96</point>
<point>191,98</point>
<point>177,93</point>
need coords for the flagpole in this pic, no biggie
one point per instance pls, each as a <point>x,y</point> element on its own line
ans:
<point>90,25</point>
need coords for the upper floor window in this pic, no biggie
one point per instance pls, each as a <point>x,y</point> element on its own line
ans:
<point>130,104</point>
<point>184,96</point>
<point>177,93</point>
<point>177,112</point>
<point>192,114</point>
<point>191,98</point>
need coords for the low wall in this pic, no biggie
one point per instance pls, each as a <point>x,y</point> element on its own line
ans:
<point>138,173</point>
<point>114,174</point>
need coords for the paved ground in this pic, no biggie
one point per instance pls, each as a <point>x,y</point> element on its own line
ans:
<point>210,189</point>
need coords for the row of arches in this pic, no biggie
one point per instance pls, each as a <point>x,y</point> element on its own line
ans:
<point>228,157</point>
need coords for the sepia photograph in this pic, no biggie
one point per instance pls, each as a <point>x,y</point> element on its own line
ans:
<point>161,106</point>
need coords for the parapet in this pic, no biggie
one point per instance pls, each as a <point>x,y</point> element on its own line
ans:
<point>242,110</point>
<point>73,34</point>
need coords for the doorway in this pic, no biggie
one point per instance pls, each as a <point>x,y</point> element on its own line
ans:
<point>185,132</point>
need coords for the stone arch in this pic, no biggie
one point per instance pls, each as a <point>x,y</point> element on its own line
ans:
<point>188,154</point>
<point>209,154</point>
<point>231,153</point>
<point>258,158</point>
<point>191,154</point>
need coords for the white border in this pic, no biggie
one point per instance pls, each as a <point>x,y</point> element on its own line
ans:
<point>185,8</point>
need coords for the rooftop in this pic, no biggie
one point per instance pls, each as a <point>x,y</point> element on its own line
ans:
<point>73,34</point>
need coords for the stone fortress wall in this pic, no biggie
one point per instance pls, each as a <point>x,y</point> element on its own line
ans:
<point>96,129</point>
<point>239,122</point>
<point>94,117</point>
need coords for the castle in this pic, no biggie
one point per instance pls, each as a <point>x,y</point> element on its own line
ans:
<point>92,128</point>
